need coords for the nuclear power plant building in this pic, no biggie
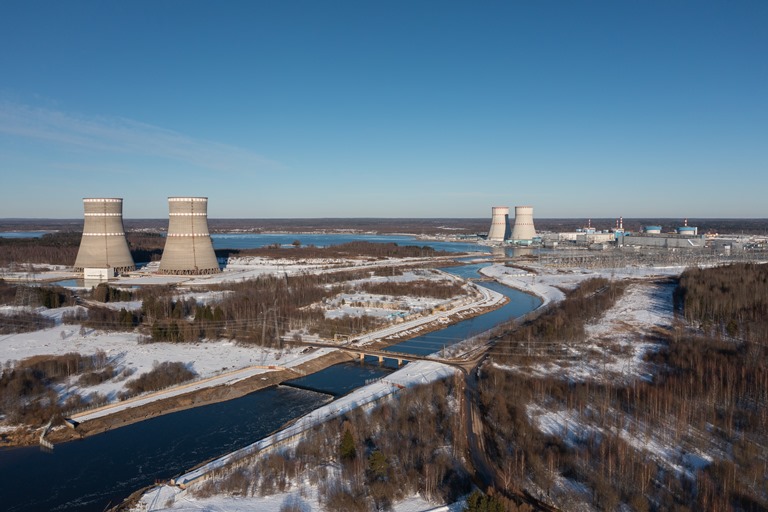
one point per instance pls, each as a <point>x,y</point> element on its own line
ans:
<point>188,246</point>
<point>523,232</point>
<point>499,224</point>
<point>103,245</point>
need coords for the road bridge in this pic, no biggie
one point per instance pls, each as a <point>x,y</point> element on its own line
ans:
<point>462,363</point>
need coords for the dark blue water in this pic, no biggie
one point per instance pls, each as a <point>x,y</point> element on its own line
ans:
<point>342,378</point>
<point>519,304</point>
<point>254,240</point>
<point>92,473</point>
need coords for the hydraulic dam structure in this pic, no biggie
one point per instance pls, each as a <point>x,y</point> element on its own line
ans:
<point>188,246</point>
<point>103,245</point>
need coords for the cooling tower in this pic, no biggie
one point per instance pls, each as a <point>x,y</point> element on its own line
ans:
<point>523,230</point>
<point>103,244</point>
<point>499,224</point>
<point>188,247</point>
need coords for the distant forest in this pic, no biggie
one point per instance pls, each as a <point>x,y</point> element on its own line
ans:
<point>437,226</point>
<point>61,249</point>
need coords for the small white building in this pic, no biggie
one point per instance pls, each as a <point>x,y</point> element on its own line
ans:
<point>99,274</point>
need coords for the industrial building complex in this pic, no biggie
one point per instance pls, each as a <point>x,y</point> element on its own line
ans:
<point>188,250</point>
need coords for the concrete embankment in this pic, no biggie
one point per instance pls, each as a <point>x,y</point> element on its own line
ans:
<point>196,398</point>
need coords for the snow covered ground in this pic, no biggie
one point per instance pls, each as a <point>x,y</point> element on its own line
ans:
<point>486,298</point>
<point>215,362</point>
<point>358,303</point>
<point>617,342</point>
<point>549,283</point>
<point>126,354</point>
<point>173,497</point>
<point>289,360</point>
<point>573,428</point>
<point>250,267</point>
<point>304,497</point>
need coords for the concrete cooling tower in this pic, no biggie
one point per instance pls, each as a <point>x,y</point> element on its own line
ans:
<point>523,230</point>
<point>188,247</point>
<point>103,244</point>
<point>499,224</point>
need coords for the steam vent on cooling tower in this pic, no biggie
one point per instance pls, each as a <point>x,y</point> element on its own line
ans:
<point>103,244</point>
<point>499,224</point>
<point>188,247</point>
<point>523,230</point>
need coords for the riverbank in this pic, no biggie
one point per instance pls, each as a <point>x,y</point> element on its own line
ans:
<point>195,398</point>
<point>220,393</point>
<point>215,386</point>
<point>161,497</point>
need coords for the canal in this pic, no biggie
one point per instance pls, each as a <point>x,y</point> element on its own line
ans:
<point>100,471</point>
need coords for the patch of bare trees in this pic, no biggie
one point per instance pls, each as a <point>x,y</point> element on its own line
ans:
<point>705,405</point>
<point>367,461</point>
<point>436,289</point>
<point>159,377</point>
<point>347,250</point>
<point>26,394</point>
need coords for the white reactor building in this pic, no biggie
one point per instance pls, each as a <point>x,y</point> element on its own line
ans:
<point>499,224</point>
<point>523,232</point>
<point>103,245</point>
<point>188,246</point>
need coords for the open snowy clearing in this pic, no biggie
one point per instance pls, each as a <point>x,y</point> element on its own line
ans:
<point>617,342</point>
<point>548,283</point>
<point>126,354</point>
<point>304,497</point>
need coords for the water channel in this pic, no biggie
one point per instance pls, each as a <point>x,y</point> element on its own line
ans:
<point>99,471</point>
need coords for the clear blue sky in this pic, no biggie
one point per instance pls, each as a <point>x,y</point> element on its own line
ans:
<point>386,108</point>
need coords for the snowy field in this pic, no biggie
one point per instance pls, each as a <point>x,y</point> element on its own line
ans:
<point>251,267</point>
<point>617,342</point>
<point>549,283</point>
<point>128,356</point>
<point>305,498</point>
<point>390,307</point>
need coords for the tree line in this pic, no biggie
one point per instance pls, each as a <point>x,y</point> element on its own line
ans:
<point>61,249</point>
<point>436,289</point>
<point>375,250</point>
<point>729,300</point>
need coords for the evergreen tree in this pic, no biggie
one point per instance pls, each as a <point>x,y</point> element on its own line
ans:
<point>347,449</point>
